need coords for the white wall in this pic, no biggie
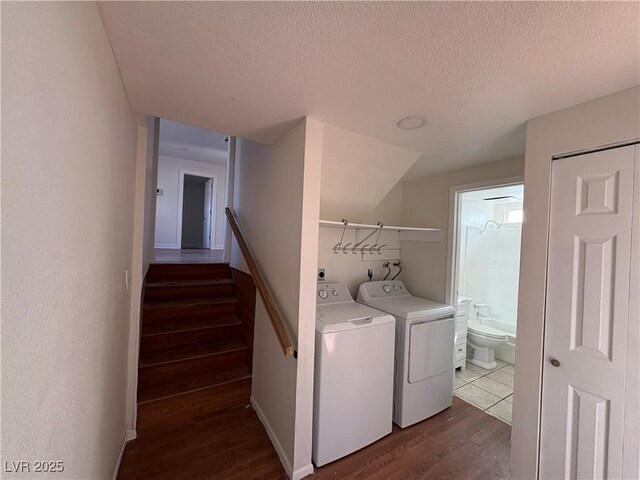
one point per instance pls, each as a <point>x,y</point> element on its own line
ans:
<point>425,203</point>
<point>277,201</point>
<point>389,210</point>
<point>360,183</point>
<point>602,121</point>
<point>69,157</point>
<point>350,268</point>
<point>357,172</point>
<point>143,231</point>
<point>166,227</point>
<point>146,181</point>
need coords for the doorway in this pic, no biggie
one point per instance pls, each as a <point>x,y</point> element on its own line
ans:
<point>197,210</point>
<point>191,194</point>
<point>485,251</point>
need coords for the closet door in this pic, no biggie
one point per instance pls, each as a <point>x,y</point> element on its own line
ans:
<point>587,315</point>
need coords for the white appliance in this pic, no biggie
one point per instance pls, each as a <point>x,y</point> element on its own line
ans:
<point>353,384</point>
<point>425,336</point>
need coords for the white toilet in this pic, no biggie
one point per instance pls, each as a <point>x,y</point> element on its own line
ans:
<point>483,339</point>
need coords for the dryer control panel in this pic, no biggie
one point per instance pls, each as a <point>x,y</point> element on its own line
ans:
<point>381,289</point>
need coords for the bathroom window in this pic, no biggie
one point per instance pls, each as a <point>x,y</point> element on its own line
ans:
<point>513,214</point>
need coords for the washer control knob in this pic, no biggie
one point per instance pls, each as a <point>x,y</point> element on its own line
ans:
<point>395,288</point>
<point>334,292</point>
<point>386,288</point>
<point>322,293</point>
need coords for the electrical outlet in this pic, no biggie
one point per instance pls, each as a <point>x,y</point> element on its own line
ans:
<point>321,274</point>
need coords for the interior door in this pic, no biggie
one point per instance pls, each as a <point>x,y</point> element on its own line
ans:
<point>587,315</point>
<point>208,196</point>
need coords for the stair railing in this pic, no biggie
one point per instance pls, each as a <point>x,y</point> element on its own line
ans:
<point>263,289</point>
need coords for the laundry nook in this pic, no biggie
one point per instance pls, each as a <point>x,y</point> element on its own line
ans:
<point>344,240</point>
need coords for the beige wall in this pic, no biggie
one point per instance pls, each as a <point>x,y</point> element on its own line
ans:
<point>357,172</point>
<point>425,203</point>
<point>605,120</point>
<point>143,231</point>
<point>69,157</point>
<point>146,183</point>
<point>351,269</point>
<point>277,201</point>
<point>389,210</point>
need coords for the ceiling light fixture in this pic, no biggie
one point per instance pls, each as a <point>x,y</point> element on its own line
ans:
<point>412,122</point>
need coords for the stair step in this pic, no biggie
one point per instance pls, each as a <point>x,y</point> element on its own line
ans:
<point>172,325</point>
<point>159,291</point>
<point>181,409</point>
<point>193,308</point>
<point>192,383</point>
<point>184,271</point>
<point>158,342</point>
<point>158,367</point>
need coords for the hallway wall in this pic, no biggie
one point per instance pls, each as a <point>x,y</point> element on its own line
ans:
<point>69,157</point>
<point>277,202</point>
<point>166,226</point>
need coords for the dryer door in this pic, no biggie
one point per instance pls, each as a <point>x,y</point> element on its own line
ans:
<point>430,348</point>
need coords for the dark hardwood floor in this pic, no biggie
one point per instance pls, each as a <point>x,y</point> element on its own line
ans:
<point>227,444</point>
<point>194,384</point>
<point>459,443</point>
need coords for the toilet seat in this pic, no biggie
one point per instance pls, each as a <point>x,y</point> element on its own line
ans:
<point>483,330</point>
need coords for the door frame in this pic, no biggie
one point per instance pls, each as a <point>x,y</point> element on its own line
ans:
<point>453,246</point>
<point>182,173</point>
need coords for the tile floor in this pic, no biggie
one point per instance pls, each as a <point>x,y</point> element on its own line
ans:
<point>488,390</point>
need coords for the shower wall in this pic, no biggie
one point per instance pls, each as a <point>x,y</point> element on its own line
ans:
<point>490,259</point>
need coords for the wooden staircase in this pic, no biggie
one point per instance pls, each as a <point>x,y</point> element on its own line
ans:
<point>195,348</point>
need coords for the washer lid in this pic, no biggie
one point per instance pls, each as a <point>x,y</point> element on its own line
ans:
<point>347,316</point>
<point>410,307</point>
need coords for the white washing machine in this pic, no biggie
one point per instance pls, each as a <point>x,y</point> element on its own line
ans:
<point>425,336</point>
<point>353,384</point>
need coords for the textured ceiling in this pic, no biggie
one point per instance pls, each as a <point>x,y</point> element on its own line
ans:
<point>191,143</point>
<point>478,70</point>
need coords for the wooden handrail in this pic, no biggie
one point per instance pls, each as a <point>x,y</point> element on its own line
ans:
<point>263,289</point>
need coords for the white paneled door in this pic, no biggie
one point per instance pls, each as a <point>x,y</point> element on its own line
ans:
<point>588,316</point>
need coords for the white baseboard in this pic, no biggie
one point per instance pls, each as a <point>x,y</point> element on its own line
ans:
<point>302,472</point>
<point>172,246</point>
<point>217,247</point>
<point>286,463</point>
<point>131,434</point>
<point>119,461</point>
